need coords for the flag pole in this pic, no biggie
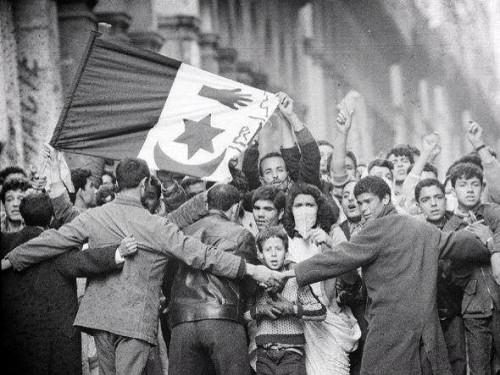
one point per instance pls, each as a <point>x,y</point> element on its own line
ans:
<point>74,85</point>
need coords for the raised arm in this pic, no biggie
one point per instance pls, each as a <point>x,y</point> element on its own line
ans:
<point>343,123</point>
<point>430,149</point>
<point>491,165</point>
<point>309,152</point>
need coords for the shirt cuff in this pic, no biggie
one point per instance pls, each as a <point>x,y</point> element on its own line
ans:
<point>118,257</point>
<point>304,136</point>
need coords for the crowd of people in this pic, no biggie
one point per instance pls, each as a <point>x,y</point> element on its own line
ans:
<point>306,262</point>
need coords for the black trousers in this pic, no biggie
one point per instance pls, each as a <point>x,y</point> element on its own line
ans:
<point>209,347</point>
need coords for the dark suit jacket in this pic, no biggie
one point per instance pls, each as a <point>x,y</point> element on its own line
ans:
<point>39,306</point>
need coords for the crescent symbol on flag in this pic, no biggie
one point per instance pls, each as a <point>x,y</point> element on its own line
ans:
<point>163,161</point>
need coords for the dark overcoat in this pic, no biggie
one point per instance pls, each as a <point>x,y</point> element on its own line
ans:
<point>39,306</point>
<point>399,258</point>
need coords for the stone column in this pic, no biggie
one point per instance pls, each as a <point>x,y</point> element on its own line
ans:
<point>397,95</point>
<point>36,34</point>
<point>11,129</point>
<point>208,52</point>
<point>179,23</point>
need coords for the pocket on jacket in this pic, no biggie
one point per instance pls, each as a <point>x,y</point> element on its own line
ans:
<point>469,292</point>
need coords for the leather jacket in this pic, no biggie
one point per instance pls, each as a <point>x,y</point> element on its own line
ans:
<point>199,295</point>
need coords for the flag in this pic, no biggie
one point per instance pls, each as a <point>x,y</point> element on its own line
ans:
<point>126,101</point>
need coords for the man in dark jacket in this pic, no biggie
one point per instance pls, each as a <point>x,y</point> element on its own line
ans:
<point>39,305</point>
<point>430,197</point>
<point>207,310</point>
<point>293,162</point>
<point>399,263</point>
<point>481,303</point>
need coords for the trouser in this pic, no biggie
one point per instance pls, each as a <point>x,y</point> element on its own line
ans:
<point>207,347</point>
<point>280,362</point>
<point>483,341</point>
<point>454,337</point>
<point>119,354</point>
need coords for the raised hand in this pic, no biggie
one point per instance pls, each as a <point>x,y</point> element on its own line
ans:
<point>127,247</point>
<point>229,98</point>
<point>431,145</point>
<point>343,121</point>
<point>285,103</point>
<point>475,134</point>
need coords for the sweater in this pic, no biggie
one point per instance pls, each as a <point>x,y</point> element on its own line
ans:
<point>287,329</point>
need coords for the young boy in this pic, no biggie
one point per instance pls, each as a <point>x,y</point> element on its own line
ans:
<point>280,337</point>
<point>481,303</point>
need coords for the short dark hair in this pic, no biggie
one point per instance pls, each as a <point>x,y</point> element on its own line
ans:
<point>36,209</point>
<point>22,184</point>
<point>381,163</point>
<point>223,197</point>
<point>110,174</point>
<point>426,183</point>
<point>351,156</point>
<point>428,167</point>
<point>13,169</point>
<point>79,177</point>
<point>270,193</point>
<point>328,212</point>
<point>273,154</point>
<point>465,170</point>
<point>401,150</point>
<point>374,185</point>
<point>105,194</point>
<point>130,172</point>
<point>271,232</point>
<point>469,158</point>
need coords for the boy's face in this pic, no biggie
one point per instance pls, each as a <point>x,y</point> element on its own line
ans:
<point>265,214</point>
<point>89,194</point>
<point>468,192</point>
<point>349,204</point>
<point>12,201</point>
<point>371,205</point>
<point>350,167</point>
<point>432,202</point>
<point>401,164</point>
<point>273,253</point>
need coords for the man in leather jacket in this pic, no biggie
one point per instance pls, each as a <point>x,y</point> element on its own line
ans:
<point>206,310</point>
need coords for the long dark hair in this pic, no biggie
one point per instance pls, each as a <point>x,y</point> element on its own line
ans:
<point>327,212</point>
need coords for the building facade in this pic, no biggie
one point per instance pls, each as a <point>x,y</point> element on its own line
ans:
<point>407,67</point>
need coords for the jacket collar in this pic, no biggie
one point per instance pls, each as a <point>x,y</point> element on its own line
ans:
<point>214,212</point>
<point>389,209</point>
<point>128,201</point>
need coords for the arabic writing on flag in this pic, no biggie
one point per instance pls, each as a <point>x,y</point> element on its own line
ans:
<point>125,101</point>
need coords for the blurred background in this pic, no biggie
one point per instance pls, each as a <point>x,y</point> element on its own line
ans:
<point>407,66</point>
